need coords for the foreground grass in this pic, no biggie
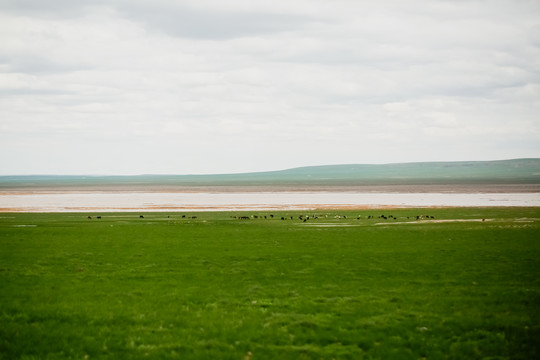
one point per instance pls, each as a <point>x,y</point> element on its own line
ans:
<point>222,288</point>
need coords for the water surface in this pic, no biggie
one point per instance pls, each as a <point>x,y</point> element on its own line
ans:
<point>201,201</point>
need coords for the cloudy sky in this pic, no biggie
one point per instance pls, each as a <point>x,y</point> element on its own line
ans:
<point>214,86</point>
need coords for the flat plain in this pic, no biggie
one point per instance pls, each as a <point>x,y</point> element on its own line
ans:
<point>456,283</point>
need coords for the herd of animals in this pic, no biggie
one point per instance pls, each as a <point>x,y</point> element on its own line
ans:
<point>305,218</point>
<point>142,217</point>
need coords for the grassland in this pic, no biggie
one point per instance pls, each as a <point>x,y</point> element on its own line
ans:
<point>216,287</point>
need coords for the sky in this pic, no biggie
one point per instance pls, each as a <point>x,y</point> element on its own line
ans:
<point>213,86</point>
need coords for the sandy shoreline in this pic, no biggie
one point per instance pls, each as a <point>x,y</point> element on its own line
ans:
<point>416,188</point>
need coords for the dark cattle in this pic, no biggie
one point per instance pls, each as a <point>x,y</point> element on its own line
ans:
<point>89,218</point>
<point>141,217</point>
<point>183,216</point>
<point>193,217</point>
<point>99,217</point>
<point>272,216</point>
<point>282,218</point>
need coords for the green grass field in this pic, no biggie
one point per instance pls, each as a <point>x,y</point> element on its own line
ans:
<point>216,287</point>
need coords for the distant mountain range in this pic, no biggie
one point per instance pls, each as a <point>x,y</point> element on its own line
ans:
<point>516,171</point>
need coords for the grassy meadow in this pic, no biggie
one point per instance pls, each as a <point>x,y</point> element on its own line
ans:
<point>218,287</point>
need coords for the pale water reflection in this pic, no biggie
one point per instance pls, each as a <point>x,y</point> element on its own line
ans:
<point>136,201</point>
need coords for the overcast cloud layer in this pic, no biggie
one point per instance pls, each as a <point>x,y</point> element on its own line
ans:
<point>209,86</point>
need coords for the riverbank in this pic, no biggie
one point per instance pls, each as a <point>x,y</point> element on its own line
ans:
<point>400,188</point>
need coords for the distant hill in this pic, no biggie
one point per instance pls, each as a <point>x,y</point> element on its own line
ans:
<point>517,171</point>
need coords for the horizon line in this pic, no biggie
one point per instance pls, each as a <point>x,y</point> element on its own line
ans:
<point>265,171</point>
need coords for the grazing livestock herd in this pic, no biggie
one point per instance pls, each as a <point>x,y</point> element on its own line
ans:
<point>305,218</point>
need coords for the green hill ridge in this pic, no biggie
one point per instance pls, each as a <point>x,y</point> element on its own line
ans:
<point>516,171</point>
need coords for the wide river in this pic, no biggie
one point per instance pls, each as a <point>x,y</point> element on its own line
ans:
<point>201,201</point>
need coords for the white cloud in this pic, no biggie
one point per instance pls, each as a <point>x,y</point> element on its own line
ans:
<point>211,86</point>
